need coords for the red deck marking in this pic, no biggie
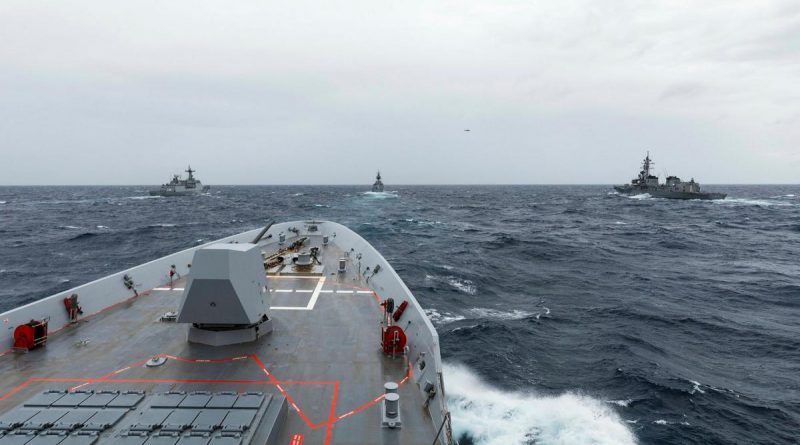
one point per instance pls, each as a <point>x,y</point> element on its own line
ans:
<point>16,389</point>
<point>331,414</point>
<point>297,439</point>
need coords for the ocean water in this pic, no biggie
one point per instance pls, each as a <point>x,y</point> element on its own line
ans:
<point>567,314</point>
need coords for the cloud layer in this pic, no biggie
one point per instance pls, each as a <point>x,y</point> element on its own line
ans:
<point>570,91</point>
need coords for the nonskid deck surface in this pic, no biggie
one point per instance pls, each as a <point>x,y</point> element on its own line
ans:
<point>323,357</point>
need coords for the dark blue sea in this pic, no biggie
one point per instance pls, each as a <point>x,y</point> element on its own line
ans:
<point>567,314</point>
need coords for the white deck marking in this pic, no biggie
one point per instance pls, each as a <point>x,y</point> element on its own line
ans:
<point>344,292</point>
<point>311,302</point>
<point>364,292</point>
<point>284,290</point>
<point>326,291</point>
<point>315,295</point>
<point>167,288</point>
<point>286,277</point>
<point>304,291</point>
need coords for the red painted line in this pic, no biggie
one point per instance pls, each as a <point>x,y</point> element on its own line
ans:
<point>375,400</point>
<point>331,414</point>
<point>16,389</point>
<point>297,439</point>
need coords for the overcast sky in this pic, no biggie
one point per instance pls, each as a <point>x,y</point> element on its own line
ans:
<point>326,92</point>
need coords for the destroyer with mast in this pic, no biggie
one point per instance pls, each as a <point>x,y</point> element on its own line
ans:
<point>674,188</point>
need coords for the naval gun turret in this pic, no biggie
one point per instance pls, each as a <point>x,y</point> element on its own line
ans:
<point>225,298</point>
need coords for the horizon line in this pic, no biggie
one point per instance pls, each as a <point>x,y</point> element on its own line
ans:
<point>393,185</point>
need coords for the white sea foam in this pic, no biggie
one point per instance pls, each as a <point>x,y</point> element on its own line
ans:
<point>440,318</point>
<point>642,196</point>
<point>69,227</point>
<point>490,416</point>
<point>381,195</point>
<point>2,202</point>
<point>751,202</point>
<point>623,403</point>
<point>660,422</point>
<point>145,197</point>
<point>102,227</point>
<point>162,225</point>
<point>696,388</point>
<point>495,314</point>
<point>461,284</point>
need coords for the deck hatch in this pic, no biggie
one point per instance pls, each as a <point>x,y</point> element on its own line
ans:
<point>49,438</point>
<point>222,400</point>
<point>99,399</point>
<point>104,419</point>
<point>226,440</point>
<point>168,400</point>
<point>131,439</point>
<point>150,419</point>
<point>197,399</point>
<point>128,399</point>
<point>250,400</point>
<point>45,399</point>
<point>80,439</point>
<point>209,420</point>
<point>16,418</point>
<point>163,439</point>
<point>44,419</point>
<point>18,438</point>
<point>238,420</point>
<point>194,440</point>
<point>180,419</point>
<point>74,419</point>
<point>72,399</point>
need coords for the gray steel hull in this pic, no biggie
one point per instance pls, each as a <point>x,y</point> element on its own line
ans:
<point>668,194</point>
<point>191,192</point>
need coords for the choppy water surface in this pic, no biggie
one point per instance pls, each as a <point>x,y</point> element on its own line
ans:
<point>566,314</point>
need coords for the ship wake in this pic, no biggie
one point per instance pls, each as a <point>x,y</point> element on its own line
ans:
<point>484,415</point>
<point>381,195</point>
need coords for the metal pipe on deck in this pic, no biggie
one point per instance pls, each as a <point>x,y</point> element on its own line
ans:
<point>263,232</point>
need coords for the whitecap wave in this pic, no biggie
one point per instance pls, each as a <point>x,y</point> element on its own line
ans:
<point>69,227</point>
<point>495,314</point>
<point>623,403</point>
<point>2,202</point>
<point>440,318</point>
<point>751,202</point>
<point>641,196</point>
<point>461,284</point>
<point>145,197</point>
<point>489,416</point>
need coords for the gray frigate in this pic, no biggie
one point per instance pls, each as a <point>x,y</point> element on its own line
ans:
<point>182,187</point>
<point>377,186</point>
<point>295,333</point>
<point>674,188</point>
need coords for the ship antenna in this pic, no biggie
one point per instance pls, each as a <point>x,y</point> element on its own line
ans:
<point>190,171</point>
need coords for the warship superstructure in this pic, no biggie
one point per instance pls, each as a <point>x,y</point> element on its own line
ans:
<point>181,187</point>
<point>296,333</point>
<point>377,186</point>
<point>674,188</point>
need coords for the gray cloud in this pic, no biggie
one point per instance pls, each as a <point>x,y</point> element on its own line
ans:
<point>554,92</point>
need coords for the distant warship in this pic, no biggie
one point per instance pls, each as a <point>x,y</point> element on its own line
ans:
<point>181,187</point>
<point>378,185</point>
<point>674,188</point>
